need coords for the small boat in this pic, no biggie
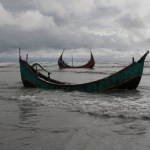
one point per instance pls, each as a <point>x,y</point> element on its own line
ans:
<point>127,78</point>
<point>63,65</point>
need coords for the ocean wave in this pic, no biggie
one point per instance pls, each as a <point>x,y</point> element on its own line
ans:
<point>126,109</point>
<point>117,107</point>
<point>9,64</point>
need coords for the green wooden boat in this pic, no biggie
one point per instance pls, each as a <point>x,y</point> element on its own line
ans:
<point>127,78</point>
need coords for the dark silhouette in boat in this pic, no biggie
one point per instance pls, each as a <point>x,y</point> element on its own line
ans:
<point>127,78</point>
<point>62,64</point>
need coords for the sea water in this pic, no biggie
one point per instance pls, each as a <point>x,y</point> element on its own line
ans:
<point>39,119</point>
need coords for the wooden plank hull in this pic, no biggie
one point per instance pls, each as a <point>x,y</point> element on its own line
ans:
<point>63,65</point>
<point>127,78</point>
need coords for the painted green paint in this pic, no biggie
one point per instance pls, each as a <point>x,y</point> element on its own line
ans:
<point>135,70</point>
<point>122,79</point>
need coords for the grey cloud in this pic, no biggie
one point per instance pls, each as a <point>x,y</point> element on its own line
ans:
<point>131,21</point>
<point>106,27</point>
<point>105,11</point>
<point>36,40</point>
<point>17,6</point>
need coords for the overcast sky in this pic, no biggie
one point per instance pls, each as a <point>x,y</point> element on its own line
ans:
<point>111,29</point>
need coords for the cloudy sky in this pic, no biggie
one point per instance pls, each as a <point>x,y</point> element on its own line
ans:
<point>112,29</point>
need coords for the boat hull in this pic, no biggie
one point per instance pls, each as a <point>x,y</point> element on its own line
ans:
<point>63,65</point>
<point>127,78</point>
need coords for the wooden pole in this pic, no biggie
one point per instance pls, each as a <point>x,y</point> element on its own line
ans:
<point>27,58</point>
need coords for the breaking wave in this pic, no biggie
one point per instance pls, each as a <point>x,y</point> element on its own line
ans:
<point>118,106</point>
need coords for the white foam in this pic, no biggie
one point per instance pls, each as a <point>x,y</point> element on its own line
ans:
<point>28,98</point>
<point>116,107</point>
<point>2,64</point>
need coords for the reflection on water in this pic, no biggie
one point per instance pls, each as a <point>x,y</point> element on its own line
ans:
<point>27,111</point>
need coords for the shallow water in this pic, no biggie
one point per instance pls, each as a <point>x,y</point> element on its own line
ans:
<point>38,119</point>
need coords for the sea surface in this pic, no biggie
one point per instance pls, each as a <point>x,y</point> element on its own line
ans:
<point>39,119</point>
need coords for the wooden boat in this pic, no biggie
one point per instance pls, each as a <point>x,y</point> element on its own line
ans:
<point>62,64</point>
<point>127,78</point>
